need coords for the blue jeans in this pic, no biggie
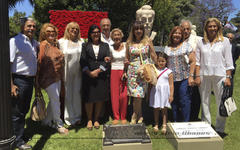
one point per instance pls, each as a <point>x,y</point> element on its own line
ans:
<point>20,106</point>
<point>181,104</point>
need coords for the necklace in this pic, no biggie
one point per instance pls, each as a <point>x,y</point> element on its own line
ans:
<point>175,48</point>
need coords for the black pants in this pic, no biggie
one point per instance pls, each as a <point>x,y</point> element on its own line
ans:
<point>20,106</point>
<point>195,104</point>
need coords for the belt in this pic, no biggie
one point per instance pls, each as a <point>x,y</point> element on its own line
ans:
<point>22,76</point>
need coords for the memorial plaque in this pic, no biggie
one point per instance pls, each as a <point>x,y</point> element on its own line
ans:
<point>197,135</point>
<point>127,136</point>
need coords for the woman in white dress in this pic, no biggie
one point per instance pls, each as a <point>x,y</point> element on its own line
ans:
<point>71,46</point>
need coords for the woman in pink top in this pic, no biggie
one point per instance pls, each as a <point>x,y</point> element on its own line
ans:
<point>118,78</point>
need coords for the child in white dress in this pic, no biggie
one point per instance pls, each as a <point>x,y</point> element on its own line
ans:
<point>161,95</point>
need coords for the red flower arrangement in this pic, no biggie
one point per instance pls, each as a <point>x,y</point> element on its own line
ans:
<point>60,18</point>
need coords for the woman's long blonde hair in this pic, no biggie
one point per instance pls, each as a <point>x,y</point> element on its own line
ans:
<point>219,32</point>
<point>132,39</point>
<point>42,35</point>
<point>66,32</point>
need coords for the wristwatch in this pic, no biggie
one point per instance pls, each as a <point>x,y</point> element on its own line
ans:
<point>229,76</point>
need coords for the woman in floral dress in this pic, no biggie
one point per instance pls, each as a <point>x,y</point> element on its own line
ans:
<point>137,43</point>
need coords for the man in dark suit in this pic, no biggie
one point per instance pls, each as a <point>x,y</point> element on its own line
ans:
<point>235,52</point>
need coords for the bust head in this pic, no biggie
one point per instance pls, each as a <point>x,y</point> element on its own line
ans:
<point>146,14</point>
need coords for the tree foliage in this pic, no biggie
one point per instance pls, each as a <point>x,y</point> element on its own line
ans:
<point>14,23</point>
<point>12,3</point>
<point>122,13</point>
<point>236,20</point>
<point>168,13</point>
<point>205,9</point>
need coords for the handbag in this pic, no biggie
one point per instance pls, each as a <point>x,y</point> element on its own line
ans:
<point>38,111</point>
<point>227,105</point>
<point>147,72</point>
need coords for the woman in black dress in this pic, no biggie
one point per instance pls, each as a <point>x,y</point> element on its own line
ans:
<point>96,73</point>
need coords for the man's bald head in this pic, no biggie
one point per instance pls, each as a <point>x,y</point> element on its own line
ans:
<point>231,37</point>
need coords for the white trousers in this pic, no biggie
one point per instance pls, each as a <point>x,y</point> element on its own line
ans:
<point>207,84</point>
<point>53,110</point>
<point>73,111</point>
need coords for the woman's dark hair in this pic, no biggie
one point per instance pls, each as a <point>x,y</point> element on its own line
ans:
<point>162,54</point>
<point>90,31</point>
<point>137,25</point>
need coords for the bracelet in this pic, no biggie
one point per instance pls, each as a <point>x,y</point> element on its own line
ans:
<point>229,76</point>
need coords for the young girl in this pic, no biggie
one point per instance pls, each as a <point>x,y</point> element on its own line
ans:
<point>161,95</point>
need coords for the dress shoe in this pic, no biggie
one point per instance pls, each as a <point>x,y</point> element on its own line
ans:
<point>222,134</point>
<point>77,123</point>
<point>24,146</point>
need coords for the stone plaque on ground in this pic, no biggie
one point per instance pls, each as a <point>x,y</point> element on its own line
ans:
<point>126,136</point>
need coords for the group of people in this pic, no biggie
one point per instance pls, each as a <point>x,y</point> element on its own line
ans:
<point>105,68</point>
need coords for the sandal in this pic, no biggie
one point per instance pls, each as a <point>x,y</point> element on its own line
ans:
<point>164,129</point>
<point>124,121</point>
<point>96,125</point>
<point>155,128</point>
<point>89,125</point>
<point>133,119</point>
<point>62,130</point>
<point>140,120</point>
<point>115,122</point>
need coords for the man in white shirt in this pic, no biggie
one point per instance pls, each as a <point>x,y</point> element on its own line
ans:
<point>23,60</point>
<point>192,40</point>
<point>105,25</point>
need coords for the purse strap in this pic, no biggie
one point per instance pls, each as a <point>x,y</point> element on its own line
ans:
<point>162,72</point>
<point>141,58</point>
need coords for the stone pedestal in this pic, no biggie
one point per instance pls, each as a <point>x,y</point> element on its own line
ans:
<point>126,137</point>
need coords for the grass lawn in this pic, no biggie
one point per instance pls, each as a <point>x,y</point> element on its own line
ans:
<point>80,138</point>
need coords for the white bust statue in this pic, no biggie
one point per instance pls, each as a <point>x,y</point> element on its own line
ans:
<point>146,14</point>
<point>193,31</point>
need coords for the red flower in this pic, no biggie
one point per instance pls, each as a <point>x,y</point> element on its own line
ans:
<point>60,18</point>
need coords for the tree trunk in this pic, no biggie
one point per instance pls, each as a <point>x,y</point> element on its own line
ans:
<point>6,133</point>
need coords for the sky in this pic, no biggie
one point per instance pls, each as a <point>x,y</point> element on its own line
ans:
<point>26,7</point>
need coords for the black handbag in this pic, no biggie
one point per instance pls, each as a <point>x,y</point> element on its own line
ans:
<point>227,105</point>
